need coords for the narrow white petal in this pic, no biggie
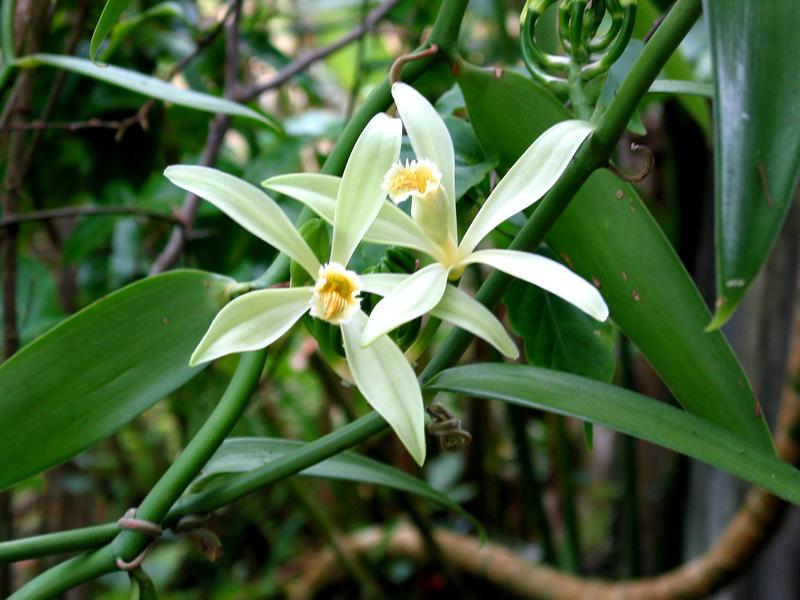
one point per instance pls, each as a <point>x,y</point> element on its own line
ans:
<point>548,275</point>
<point>456,307</point>
<point>462,310</point>
<point>392,226</point>
<point>417,294</point>
<point>361,194</point>
<point>252,321</point>
<point>529,179</point>
<point>248,206</point>
<point>388,383</point>
<point>430,140</point>
<point>381,283</point>
<point>315,190</point>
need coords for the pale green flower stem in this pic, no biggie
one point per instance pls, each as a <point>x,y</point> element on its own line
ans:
<point>593,155</point>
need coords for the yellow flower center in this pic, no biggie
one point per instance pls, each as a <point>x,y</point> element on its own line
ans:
<point>417,178</point>
<point>335,296</point>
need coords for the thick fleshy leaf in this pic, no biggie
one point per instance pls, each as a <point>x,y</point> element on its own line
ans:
<point>240,455</point>
<point>529,179</point>
<point>416,295</point>
<point>249,207</point>
<point>625,411</point>
<point>361,193</point>
<point>608,236</point>
<point>559,336</point>
<point>84,379</point>
<point>146,85</point>
<point>430,140</point>
<point>548,275</point>
<point>252,321</point>
<point>318,192</point>
<point>388,383</point>
<point>456,307</point>
<point>111,12</point>
<point>756,136</point>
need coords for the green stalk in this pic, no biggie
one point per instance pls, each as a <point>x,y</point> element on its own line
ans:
<point>532,492</point>
<point>592,155</point>
<point>169,488</point>
<point>564,467</point>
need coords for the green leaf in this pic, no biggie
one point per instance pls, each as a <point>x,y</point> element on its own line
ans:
<point>757,136</point>
<point>559,336</point>
<point>94,372</point>
<point>146,85</point>
<point>240,455</point>
<point>681,87</point>
<point>627,412</point>
<point>111,13</point>
<point>608,236</point>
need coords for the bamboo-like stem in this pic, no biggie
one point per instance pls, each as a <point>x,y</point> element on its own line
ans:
<point>566,488</point>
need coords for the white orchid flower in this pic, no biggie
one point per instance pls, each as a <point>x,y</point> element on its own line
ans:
<point>256,319</point>
<point>430,183</point>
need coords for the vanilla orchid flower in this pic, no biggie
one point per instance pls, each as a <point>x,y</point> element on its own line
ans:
<point>256,319</point>
<point>429,181</point>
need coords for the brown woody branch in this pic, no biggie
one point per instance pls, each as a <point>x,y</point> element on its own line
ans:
<point>745,536</point>
<point>80,211</point>
<point>244,93</point>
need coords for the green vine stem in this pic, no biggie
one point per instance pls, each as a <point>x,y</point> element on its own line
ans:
<point>127,544</point>
<point>593,155</point>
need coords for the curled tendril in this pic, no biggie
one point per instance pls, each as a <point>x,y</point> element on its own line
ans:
<point>588,53</point>
<point>447,428</point>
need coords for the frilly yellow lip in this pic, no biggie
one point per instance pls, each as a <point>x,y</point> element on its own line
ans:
<point>416,178</point>
<point>336,294</point>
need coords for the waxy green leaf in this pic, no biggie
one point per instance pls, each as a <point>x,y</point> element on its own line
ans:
<point>146,85</point>
<point>559,336</point>
<point>240,455</point>
<point>608,236</point>
<point>627,412</point>
<point>111,13</point>
<point>757,136</point>
<point>94,372</point>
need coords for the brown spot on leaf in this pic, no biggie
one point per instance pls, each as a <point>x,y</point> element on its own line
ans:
<point>596,282</point>
<point>620,194</point>
<point>498,72</point>
<point>624,276</point>
<point>205,283</point>
<point>636,296</point>
<point>567,259</point>
<point>165,321</point>
<point>762,174</point>
<point>759,413</point>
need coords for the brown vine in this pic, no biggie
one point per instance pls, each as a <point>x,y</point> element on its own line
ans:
<point>745,536</point>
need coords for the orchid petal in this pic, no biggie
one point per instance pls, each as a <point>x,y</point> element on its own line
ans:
<point>548,275</point>
<point>430,140</point>
<point>361,194</point>
<point>388,383</point>
<point>381,283</point>
<point>529,179</point>
<point>249,207</point>
<point>252,321</point>
<point>413,297</point>
<point>318,192</point>
<point>456,307</point>
<point>462,310</point>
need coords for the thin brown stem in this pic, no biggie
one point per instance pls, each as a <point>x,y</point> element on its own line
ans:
<point>81,211</point>
<point>249,92</point>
